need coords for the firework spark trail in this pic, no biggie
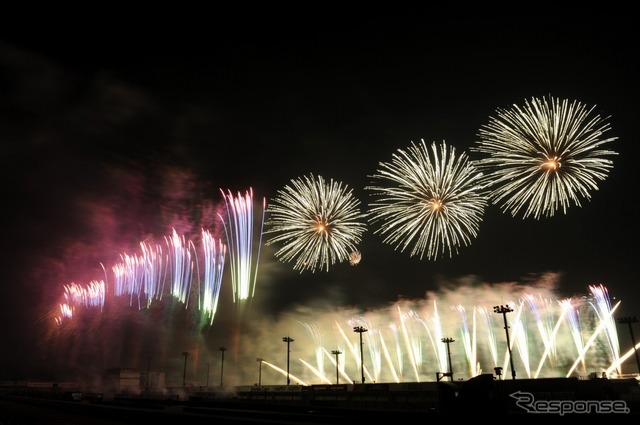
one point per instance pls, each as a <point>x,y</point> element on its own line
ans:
<point>543,156</point>
<point>92,295</point>
<point>316,335</point>
<point>284,372</point>
<point>571,314</point>
<point>387,356</point>
<point>552,337</point>
<point>468,338</point>
<point>431,202</point>
<point>129,277</point>
<point>375,350</point>
<point>415,342</point>
<point>152,260</point>
<point>144,275</point>
<point>214,257</point>
<point>525,339</point>
<point>352,347</point>
<point>411,342</point>
<point>603,307</point>
<point>601,325</point>
<point>341,366</point>
<point>398,348</point>
<point>316,372</point>
<point>439,349</point>
<point>318,223</point>
<point>364,323</point>
<point>138,275</point>
<point>543,322</point>
<point>66,312</point>
<point>240,241</point>
<point>489,333</point>
<point>521,339</point>
<point>74,294</point>
<point>122,277</point>
<point>617,365</point>
<point>182,266</point>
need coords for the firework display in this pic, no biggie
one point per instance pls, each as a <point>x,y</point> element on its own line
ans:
<point>317,223</point>
<point>244,247</point>
<point>142,277</point>
<point>405,343</point>
<point>428,200</point>
<point>543,156</point>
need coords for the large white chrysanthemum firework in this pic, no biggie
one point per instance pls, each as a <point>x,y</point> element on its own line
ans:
<point>543,156</point>
<point>316,223</point>
<point>428,199</point>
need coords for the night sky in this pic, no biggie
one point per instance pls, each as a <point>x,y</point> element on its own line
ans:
<point>110,138</point>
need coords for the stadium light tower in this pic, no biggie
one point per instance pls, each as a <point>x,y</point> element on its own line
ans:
<point>336,353</point>
<point>361,330</point>
<point>260,360</point>
<point>630,321</point>
<point>288,340</point>
<point>184,373</point>
<point>222,350</point>
<point>449,341</point>
<point>504,309</point>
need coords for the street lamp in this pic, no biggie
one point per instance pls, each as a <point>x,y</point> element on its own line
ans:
<point>184,373</point>
<point>222,350</point>
<point>361,330</point>
<point>288,340</point>
<point>504,309</point>
<point>449,341</point>
<point>336,353</point>
<point>630,321</point>
<point>260,360</point>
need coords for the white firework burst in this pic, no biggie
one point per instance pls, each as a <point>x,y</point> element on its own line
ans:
<point>544,156</point>
<point>317,223</point>
<point>431,200</point>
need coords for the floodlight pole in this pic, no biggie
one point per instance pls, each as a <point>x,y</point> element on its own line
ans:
<point>336,353</point>
<point>449,341</point>
<point>504,309</point>
<point>361,330</point>
<point>288,340</point>
<point>222,350</point>
<point>184,373</point>
<point>148,371</point>
<point>260,360</point>
<point>630,321</point>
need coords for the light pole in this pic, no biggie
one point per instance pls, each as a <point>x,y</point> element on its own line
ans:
<point>504,309</point>
<point>288,340</point>
<point>184,373</point>
<point>148,371</point>
<point>222,350</point>
<point>336,353</point>
<point>630,321</point>
<point>361,330</point>
<point>449,341</point>
<point>260,360</point>
<point>208,367</point>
